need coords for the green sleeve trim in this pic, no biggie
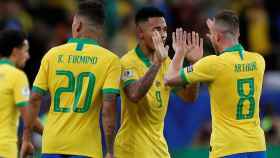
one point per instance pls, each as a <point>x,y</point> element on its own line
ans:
<point>22,104</point>
<point>183,76</point>
<point>39,90</point>
<point>110,91</point>
<point>128,82</point>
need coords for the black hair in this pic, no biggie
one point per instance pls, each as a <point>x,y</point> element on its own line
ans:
<point>147,12</point>
<point>229,19</point>
<point>93,10</point>
<point>10,39</point>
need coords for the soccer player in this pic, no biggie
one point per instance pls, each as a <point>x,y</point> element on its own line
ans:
<point>14,91</point>
<point>144,96</point>
<point>234,79</point>
<point>81,77</point>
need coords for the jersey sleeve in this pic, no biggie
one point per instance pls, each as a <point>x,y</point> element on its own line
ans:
<point>112,81</point>
<point>21,90</point>
<point>129,73</point>
<point>40,84</point>
<point>202,71</point>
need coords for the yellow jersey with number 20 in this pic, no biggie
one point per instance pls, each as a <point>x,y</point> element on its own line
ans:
<point>76,75</point>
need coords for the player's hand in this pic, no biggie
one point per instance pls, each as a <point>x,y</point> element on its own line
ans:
<point>26,149</point>
<point>194,47</point>
<point>161,52</point>
<point>210,25</point>
<point>109,155</point>
<point>179,41</point>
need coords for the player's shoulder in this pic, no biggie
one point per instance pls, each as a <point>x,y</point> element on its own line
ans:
<point>256,55</point>
<point>106,52</point>
<point>127,57</point>
<point>210,58</point>
<point>54,50</point>
<point>17,72</point>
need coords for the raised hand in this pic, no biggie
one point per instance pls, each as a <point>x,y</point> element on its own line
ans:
<point>179,41</point>
<point>194,47</point>
<point>210,24</point>
<point>161,52</point>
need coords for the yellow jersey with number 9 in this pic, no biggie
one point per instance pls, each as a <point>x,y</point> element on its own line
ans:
<point>76,75</point>
<point>235,83</point>
<point>142,123</point>
<point>14,92</point>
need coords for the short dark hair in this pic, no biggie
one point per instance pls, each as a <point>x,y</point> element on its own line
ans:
<point>147,12</point>
<point>229,19</point>
<point>93,10</point>
<point>10,39</point>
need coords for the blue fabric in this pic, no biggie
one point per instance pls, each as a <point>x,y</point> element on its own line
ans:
<point>261,154</point>
<point>61,156</point>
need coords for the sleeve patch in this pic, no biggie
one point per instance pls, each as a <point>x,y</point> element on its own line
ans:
<point>25,91</point>
<point>127,74</point>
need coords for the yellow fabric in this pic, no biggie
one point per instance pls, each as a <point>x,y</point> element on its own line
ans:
<point>14,90</point>
<point>228,79</point>
<point>69,72</point>
<point>141,131</point>
<point>258,31</point>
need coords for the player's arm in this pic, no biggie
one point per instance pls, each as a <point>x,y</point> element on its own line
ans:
<point>38,90</point>
<point>110,91</point>
<point>38,126</point>
<point>109,120</point>
<point>139,88</point>
<point>189,46</point>
<point>183,43</point>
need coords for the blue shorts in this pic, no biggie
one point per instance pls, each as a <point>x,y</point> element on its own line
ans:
<point>261,154</point>
<point>62,156</point>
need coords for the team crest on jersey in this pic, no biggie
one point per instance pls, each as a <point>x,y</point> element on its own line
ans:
<point>127,74</point>
<point>25,92</point>
<point>189,68</point>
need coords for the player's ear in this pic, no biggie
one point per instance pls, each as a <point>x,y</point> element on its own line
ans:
<point>79,26</point>
<point>218,37</point>
<point>139,32</point>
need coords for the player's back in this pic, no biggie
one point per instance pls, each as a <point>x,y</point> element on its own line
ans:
<point>77,75</point>
<point>235,94</point>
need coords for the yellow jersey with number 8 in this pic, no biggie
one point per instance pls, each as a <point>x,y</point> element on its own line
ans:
<point>234,81</point>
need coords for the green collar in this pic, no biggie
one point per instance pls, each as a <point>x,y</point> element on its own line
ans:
<point>81,41</point>
<point>236,48</point>
<point>6,61</point>
<point>142,56</point>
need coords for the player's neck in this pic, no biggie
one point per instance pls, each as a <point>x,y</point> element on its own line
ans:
<point>146,51</point>
<point>11,59</point>
<point>90,35</point>
<point>229,44</point>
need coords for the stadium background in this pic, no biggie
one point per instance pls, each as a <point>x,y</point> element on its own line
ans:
<point>188,126</point>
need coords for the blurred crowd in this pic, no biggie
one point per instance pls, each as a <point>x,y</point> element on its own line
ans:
<point>48,23</point>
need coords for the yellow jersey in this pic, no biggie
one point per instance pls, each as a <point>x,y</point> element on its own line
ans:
<point>76,75</point>
<point>142,123</point>
<point>14,92</point>
<point>234,81</point>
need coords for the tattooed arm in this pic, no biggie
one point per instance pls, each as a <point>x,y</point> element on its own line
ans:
<point>138,89</point>
<point>109,120</point>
